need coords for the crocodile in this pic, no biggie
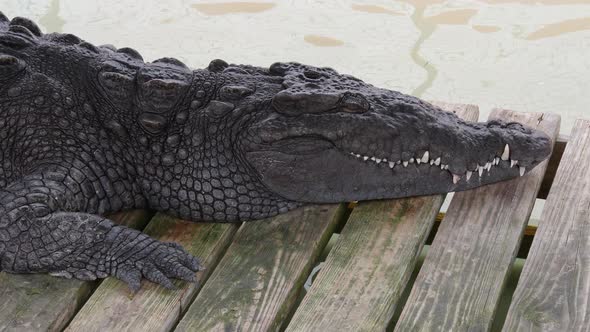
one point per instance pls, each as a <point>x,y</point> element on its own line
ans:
<point>86,131</point>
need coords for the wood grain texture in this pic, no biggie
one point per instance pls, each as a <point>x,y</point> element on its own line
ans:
<point>257,281</point>
<point>460,283</point>
<point>553,293</point>
<point>40,302</point>
<point>366,272</point>
<point>112,307</point>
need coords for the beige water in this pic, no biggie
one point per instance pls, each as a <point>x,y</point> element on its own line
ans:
<point>523,55</point>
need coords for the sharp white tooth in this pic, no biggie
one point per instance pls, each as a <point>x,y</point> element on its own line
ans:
<point>365,158</point>
<point>488,166</point>
<point>405,164</point>
<point>506,153</point>
<point>513,162</point>
<point>437,161</point>
<point>411,160</point>
<point>522,170</point>
<point>418,161</point>
<point>446,166</point>
<point>469,173</point>
<point>442,166</point>
<point>496,161</point>
<point>456,178</point>
<point>480,170</point>
<point>431,162</point>
<point>377,160</point>
<point>391,164</point>
<point>384,160</point>
<point>425,157</point>
<point>352,153</point>
<point>358,155</point>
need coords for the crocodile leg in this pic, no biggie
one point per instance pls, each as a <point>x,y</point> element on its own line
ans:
<point>41,230</point>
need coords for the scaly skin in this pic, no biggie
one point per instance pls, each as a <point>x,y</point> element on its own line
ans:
<point>86,131</point>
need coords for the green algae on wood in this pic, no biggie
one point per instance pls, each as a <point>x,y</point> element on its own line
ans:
<point>40,302</point>
<point>257,281</point>
<point>113,307</point>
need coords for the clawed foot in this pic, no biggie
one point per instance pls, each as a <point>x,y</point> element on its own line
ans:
<point>168,260</point>
<point>130,255</point>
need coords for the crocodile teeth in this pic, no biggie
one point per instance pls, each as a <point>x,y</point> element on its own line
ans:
<point>456,178</point>
<point>391,164</point>
<point>496,161</point>
<point>365,158</point>
<point>506,153</point>
<point>469,173</point>
<point>513,162</point>
<point>405,164</point>
<point>377,160</point>
<point>522,170</point>
<point>488,166</point>
<point>425,157</point>
<point>411,160</point>
<point>437,161</point>
<point>480,170</point>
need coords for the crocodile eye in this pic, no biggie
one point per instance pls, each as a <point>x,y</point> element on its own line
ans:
<point>10,65</point>
<point>354,103</point>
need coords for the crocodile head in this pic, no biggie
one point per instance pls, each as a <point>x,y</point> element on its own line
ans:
<point>329,137</point>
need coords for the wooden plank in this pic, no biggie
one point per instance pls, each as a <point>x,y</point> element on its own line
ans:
<point>553,293</point>
<point>366,272</point>
<point>257,281</point>
<point>112,307</point>
<point>523,249</point>
<point>41,302</point>
<point>459,285</point>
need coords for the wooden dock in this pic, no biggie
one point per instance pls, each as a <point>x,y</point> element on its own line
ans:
<point>371,279</point>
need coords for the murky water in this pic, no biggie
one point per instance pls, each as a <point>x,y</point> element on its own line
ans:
<point>523,55</point>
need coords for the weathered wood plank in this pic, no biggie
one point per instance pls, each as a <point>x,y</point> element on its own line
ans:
<point>553,293</point>
<point>367,270</point>
<point>258,279</point>
<point>39,302</point>
<point>460,283</point>
<point>112,307</point>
